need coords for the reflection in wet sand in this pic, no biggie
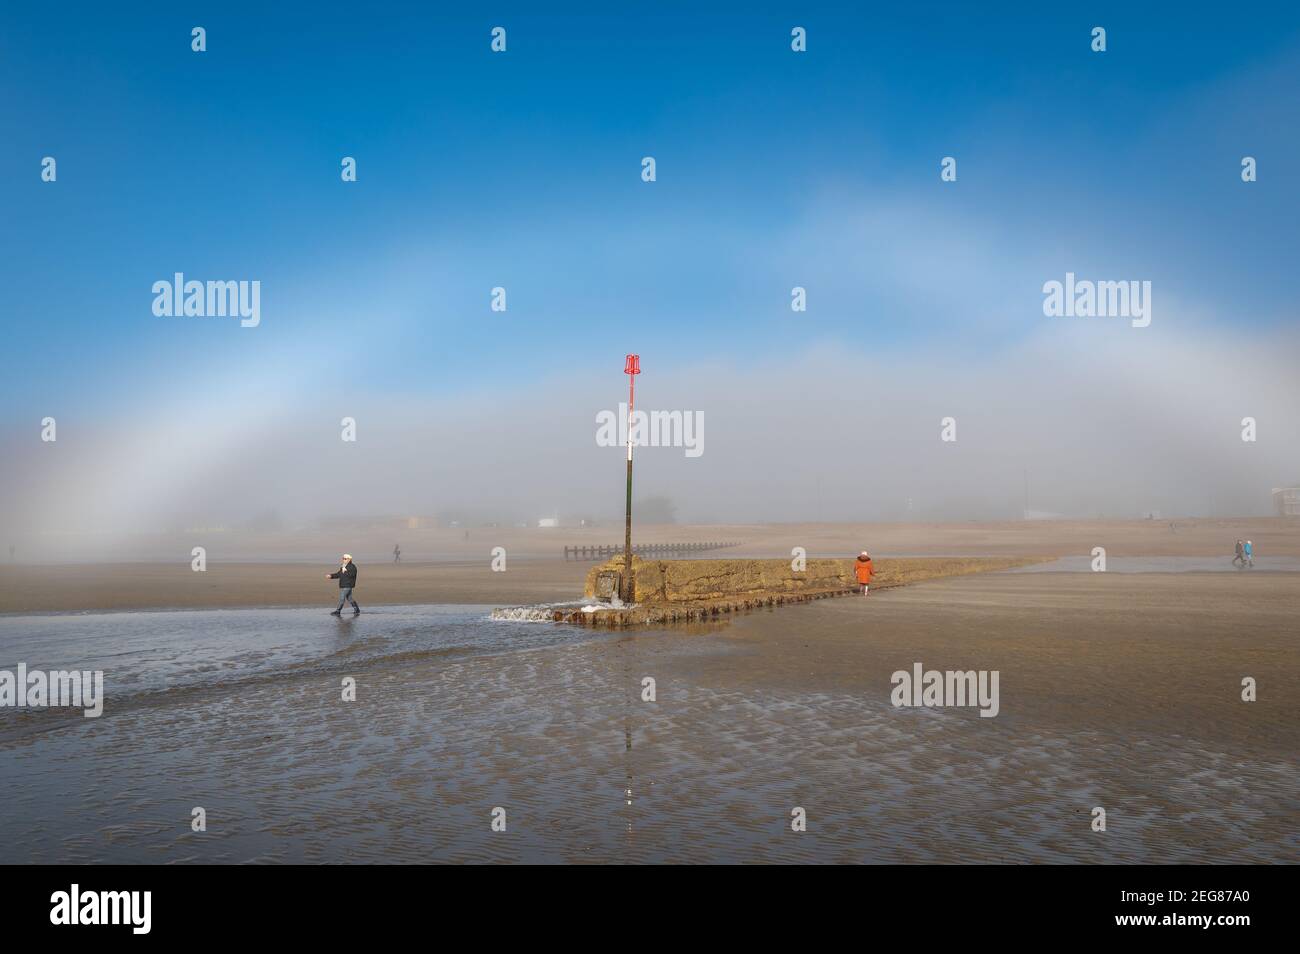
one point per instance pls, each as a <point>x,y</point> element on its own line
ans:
<point>1119,692</point>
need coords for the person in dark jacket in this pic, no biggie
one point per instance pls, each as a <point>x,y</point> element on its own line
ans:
<point>347,577</point>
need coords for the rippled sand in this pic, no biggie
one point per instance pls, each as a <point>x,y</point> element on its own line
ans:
<point>1119,691</point>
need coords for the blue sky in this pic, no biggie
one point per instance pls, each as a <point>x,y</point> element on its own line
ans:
<point>522,169</point>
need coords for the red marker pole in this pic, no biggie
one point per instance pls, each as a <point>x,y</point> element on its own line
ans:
<point>631,368</point>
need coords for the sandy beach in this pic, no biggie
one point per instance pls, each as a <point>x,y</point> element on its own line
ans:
<point>120,586</point>
<point>373,545</point>
<point>827,434</point>
<point>440,566</point>
<point>1117,690</point>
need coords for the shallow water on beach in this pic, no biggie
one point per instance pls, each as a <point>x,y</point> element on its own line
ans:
<point>456,715</point>
<point>1163,564</point>
<point>157,651</point>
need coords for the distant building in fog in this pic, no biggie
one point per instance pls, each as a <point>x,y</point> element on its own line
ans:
<point>550,522</point>
<point>1286,501</point>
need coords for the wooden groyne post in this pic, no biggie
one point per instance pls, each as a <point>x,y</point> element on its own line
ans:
<point>605,551</point>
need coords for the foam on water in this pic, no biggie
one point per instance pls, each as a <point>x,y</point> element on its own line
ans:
<point>544,612</point>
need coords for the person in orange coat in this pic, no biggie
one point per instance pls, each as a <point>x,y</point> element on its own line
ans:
<point>863,569</point>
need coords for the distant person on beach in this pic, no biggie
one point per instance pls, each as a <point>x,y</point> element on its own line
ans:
<point>862,570</point>
<point>1241,554</point>
<point>1249,553</point>
<point>347,577</point>
<point>397,553</point>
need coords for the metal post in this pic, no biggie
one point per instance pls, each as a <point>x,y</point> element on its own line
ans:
<point>631,368</point>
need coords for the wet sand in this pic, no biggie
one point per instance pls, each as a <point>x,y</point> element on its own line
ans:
<point>123,586</point>
<point>441,566</point>
<point>373,545</point>
<point>144,586</point>
<point>1119,691</point>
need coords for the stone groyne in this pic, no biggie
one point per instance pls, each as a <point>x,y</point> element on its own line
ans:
<point>673,591</point>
